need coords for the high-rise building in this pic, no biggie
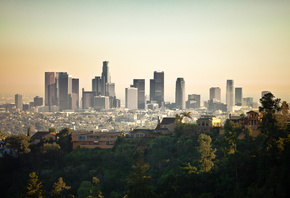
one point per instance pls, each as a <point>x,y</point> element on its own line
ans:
<point>180,93</point>
<point>264,93</point>
<point>110,89</point>
<point>75,94</point>
<point>215,94</point>
<point>131,98</point>
<point>140,85</point>
<point>88,99</point>
<point>50,89</point>
<point>230,95</point>
<point>238,96</point>
<point>38,101</point>
<point>18,102</point>
<point>157,88</point>
<point>97,85</point>
<point>101,102</point>
<point>249,101</point>
<point>106,78</point>
<point>63,84</point>
<point>193,101</point>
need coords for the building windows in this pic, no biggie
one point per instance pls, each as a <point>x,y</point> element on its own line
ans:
<point>82,138</point>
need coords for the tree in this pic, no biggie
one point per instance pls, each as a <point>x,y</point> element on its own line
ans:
<point>58,188</point>
<point>207,154</point>
<point>186,114</point>
<point>139,183</point>
<point>19,143</point>
<point>269,104</point>
<point>28,132</point>
<point>96,191</point>
<point>2,135</point>
<point>51,130</point>
<point>34,187</point>
<point>65,140</point>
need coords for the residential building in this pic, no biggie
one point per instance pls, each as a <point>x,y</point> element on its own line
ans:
<point>207,123</point>
<point>166,126</point>
<point>104,140</point>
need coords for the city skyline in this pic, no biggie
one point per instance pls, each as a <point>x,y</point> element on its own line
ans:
<point>206,43</point>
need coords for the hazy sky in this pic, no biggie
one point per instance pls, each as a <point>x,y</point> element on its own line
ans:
<point>205,42</point>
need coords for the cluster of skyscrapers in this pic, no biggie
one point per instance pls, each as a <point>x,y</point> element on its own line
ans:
<point>61,91</point>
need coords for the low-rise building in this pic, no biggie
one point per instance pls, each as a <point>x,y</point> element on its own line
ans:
<point>167,125</point>
<point>38,136</point>
<point>207,123</point>
<point>92,139</point>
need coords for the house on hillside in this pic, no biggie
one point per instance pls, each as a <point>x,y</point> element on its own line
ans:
<point>166,126</point>
<point>207,123</point>
<point>92,139</point>
<point>38,136</point>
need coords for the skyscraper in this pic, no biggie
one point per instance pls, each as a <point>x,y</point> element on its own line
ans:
<point>157,88</point>
<point>97,85</point>
<point>50,89</point>
<point>230,95</point>
<point>106,78</point>
<point>64,82</point>
<point>75,94</point>
<point>193,101</point>
<point>140,85</point>
<point>18,102</point>
<point>215,94</point>
<point>238,96</point>
<point>131,98</point>
<point>180,93</point>
<point>38,101</point>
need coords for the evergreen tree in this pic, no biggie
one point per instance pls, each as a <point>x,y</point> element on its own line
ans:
<point>207,154</point>
<point>28,132</point>
<point>139,183</point>
<point>96,192</point>
<point>34,187</point>
<point>58,188</point>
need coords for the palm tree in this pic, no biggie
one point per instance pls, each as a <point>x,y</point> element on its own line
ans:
<point>185,114</point>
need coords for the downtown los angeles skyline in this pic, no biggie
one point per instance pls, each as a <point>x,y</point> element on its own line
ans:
<point>206,43</point>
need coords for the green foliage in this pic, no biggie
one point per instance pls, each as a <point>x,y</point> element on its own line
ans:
<point>96,193</point>
<point>28,132</point>
<point>58,188</point>
<point>139,182</point>
<point>64,140</point>
<point>34,187</point>
<point>20,143</point>
<point>207,154</point>
<point>2,135</point>
<point>51,130</point>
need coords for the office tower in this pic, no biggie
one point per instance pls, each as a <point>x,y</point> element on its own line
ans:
<point>230,95</point>
<point>110,89</point>
<point>140,85</point>
<point>157,88</point>
<point>97,85</point>
<point>264,93</point>
<point>116,103</point>
<point>18,102</point>
<point>193,101</point>
<point>38,101</point>
<point>50,89</point>
<point>101,102</point>
<point>106,78</point>
<point>88,99</point>
<point>180,93</point>
<point>64,90</point>
<point>249,101</point>
<point>238,96</point>
<point>131,98</point>
<point>75,94</point>
<point>215,94</point>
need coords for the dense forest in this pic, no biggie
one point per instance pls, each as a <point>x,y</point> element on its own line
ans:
<point>184,164</point>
